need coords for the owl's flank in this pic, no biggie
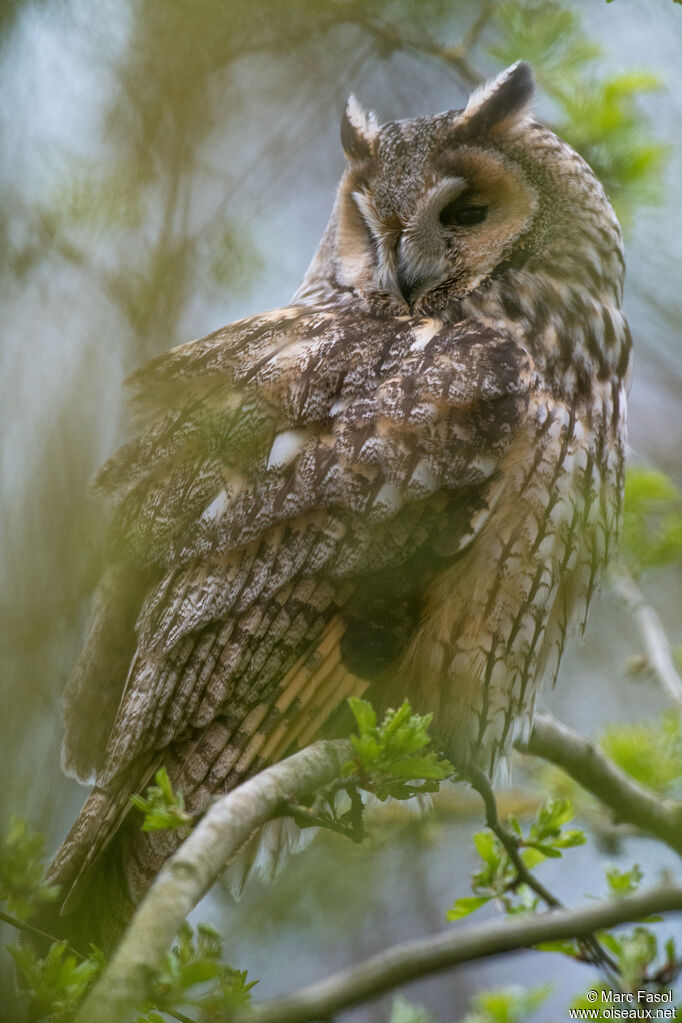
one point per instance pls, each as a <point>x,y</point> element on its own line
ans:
<point>406,482</point>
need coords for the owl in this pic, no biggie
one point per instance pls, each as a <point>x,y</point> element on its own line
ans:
<point>403,484</point>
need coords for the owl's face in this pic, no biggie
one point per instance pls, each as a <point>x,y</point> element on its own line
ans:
<point>430,208</point>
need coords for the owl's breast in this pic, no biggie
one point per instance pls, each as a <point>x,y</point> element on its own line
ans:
<point>494,623</point>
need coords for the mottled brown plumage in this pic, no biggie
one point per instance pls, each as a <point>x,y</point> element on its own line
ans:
<point>407,480</point>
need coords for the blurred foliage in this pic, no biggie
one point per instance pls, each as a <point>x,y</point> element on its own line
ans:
<point>22,869</point>
<point>403,1011</point>
<point>512,1004</point>
<point>636,961</point>
<point>623,882</point>
<point>597,113</point>
<point>652,521</point>
<point>650,752</point>
<point>55,984</point>
<point>192,975</point>
<point>642,965</point>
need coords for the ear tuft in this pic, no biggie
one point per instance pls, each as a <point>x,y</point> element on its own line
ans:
<point>358,130</point>
<point>503,100</point>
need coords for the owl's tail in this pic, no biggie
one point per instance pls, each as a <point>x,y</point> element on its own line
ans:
<point>108,862</point>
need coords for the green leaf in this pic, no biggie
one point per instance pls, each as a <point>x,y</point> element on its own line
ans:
<point>550,818</point>
<point>638,950</point>
<point>569,839</point>
<point>623,882</point>
<point>466,905</point>
<point>532,857</point>
<point>488,848</point>
<point>163,809</point>
<point>547,850</point>
<point>364,714</point>
<point>421,767</point>
<point>515,825</point>
<point>610,942</point>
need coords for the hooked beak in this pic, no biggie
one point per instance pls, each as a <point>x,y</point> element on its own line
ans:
<point>411,285</point>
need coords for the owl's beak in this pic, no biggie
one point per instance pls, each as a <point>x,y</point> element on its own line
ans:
<point>407,287</point>
<point>411,285</point>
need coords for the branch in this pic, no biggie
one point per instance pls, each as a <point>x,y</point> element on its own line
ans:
<point>190,872</point>
<point>395,966</point>
<point>658,654</point>
<point>586,764</point>
<point>393,37</point>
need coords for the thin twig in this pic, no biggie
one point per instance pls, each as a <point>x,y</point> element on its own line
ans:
<point>35,932</point>
<point>398,38</point>
<point>180,1016</point>
<point>473,34</point>
<point>396,966</point>
<point>658,653</point>
<point>480,782</point>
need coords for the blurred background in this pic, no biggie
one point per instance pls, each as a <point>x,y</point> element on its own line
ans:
<point>168,166</point>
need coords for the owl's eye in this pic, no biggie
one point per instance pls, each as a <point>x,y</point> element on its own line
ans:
<point>455,213</point>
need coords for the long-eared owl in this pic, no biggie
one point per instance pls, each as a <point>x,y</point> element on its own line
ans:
<point>405,482</point>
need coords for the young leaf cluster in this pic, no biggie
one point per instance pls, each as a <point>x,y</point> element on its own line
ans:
<point>193,975</point>
<point>163,808</point>
<point>623,882</point>
<point>395,758</point>
<point>55,984</point>
<point>499,878</point>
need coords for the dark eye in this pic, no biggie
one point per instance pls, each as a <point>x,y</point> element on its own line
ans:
<point>462,215</point>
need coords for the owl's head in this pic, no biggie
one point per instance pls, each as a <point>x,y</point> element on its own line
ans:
<point>430,209</point>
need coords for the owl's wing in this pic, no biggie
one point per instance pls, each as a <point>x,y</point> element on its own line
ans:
<point>287,460</point>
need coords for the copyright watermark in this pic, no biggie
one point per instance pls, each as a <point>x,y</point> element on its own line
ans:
<point>641,1004</point>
